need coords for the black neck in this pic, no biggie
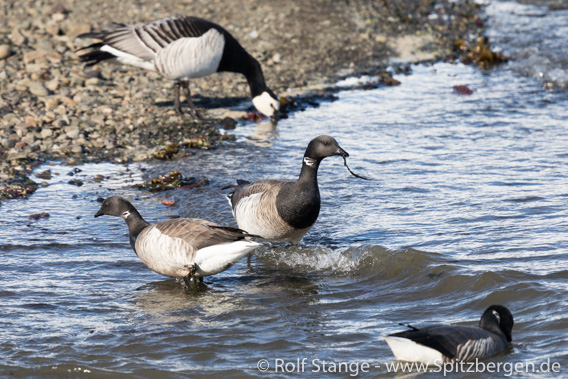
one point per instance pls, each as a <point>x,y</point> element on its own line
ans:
<point>309,172</point>
<point>136,224</point>
<point>255,78</point>
<point>299,202</point>
<point>237,59</point>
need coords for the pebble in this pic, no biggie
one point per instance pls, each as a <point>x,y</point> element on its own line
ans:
<point>37,216</point>
<point>75,29</point>
<point>45,133</point>
<point>45,175</point>
<point>17,37</point>
<point>34,55</point>
<point>92,81</point>
<point>72,131</point>
<point>5,51</point>
<point>52,84</point>
<point>37,89</point>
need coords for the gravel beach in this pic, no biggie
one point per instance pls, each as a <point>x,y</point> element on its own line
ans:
<point>52,107</point>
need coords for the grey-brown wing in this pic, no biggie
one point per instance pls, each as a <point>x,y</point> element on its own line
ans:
<point>269,189</point>
<point>200,233</point>
<point>145,40</point>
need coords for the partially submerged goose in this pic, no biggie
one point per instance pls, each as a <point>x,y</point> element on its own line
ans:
<point>181,248</point>
<point>444,343</point>
<point>181,48</point>
<point>284,210</point>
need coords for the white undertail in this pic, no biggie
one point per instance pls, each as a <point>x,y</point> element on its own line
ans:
<point>214,259</point>
<point>405,349</point>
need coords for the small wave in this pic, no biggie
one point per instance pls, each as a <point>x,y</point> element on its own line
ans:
<point>534,38</point>
<point>365,260</point>
<point>525,199</point>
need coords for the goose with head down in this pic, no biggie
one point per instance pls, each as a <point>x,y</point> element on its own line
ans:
<point>179,49</point>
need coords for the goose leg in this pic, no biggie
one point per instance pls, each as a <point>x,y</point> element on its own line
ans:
<point>192,107</point>
<point>193,284</point>
<point>177,105</point>
<point>190,283</point>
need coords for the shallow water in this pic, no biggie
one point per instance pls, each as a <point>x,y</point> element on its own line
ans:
<point>467,208</point>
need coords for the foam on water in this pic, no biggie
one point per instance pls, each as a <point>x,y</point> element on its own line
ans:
<point>534,37</point>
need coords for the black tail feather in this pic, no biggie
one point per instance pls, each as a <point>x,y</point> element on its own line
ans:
<point>240,182</point>
<point>94,35</point>
<point>97,45</point>
<point>409,326</point>
<point>242,233</point>
<point>95,57</point>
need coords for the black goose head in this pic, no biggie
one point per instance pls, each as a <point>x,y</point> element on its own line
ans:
<point>116,206</point>
<point>322,147</point>
<point>498,318</point>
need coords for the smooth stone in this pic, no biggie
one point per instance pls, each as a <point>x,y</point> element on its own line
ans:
<point>92,81</point>
<point>45,133</point>
<point>72,132</point>
<point>37,89</point>
<point>52,84</point>
<point>75,29</point>
<point>5,51</point>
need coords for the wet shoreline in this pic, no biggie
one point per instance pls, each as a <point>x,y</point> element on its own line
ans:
<point>53,108</point>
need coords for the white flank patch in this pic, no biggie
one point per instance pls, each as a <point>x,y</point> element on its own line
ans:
<point>191,57</point>
<point>266,104</point>
<point>214,259</point>
<point>128,59</point>
<point>246,214</point>
<point>410,351</point>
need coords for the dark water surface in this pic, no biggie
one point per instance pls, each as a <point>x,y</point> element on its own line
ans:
<point>468,207</point>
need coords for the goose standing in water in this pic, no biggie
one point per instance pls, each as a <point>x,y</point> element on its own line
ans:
<point>284,210</point>
<point>181,248</point>
<point>181,48</point>
<point>438,344</point>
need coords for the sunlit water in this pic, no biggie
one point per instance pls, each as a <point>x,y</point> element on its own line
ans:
<point>467,208</point>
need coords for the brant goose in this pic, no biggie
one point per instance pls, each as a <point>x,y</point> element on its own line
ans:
<point>182,248</point>
<point>284,210</point>
<point>181,48</point>
<point>443,343</point>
